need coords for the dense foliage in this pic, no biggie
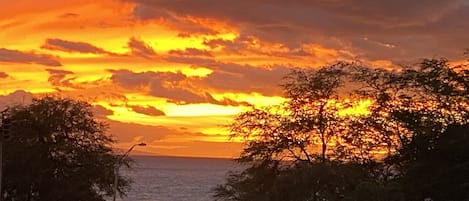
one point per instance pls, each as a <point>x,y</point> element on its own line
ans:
<point>57,151</point>
<point>410,143</point>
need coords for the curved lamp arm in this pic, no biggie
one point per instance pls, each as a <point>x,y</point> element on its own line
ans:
<point>119,163</point>
<point>128,151</point>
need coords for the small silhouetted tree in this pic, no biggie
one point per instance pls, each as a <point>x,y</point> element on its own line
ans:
<point>57,151</point>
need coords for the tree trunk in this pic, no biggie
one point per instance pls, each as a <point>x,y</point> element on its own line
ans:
<point>324,149</point>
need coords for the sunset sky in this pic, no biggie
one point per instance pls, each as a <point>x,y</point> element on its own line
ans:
<point>173,73</point>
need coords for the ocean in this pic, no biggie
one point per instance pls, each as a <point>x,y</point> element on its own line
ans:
<point>158,178</point>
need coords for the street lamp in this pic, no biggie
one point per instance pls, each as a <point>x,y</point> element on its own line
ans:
<point>118,165</point>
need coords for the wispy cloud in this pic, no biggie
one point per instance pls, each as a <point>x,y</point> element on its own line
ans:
<point>140,48</point>
<point>172,86</point>
<point>232,77</point>
<point>72,46</point>
<point>175,87</point>
<point>15,56</point>
<point>147,110</point>
<point>58,78</point>
<point>191,52</point>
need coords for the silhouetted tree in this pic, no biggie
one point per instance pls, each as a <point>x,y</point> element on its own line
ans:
<point>312,181</point>
<point>306,126</point>
<point>418,100</point>
<point>440,168</point>
<point>294,150</point>
<point>421,108</point>
<point>312,105</point>
<point>432,160</point>
<point>417,121</point>
<point>57,151</point>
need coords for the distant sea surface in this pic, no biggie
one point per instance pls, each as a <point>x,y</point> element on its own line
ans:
<point>158,178</point>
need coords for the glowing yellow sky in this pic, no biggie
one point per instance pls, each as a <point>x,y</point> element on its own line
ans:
<point>108,25</point>
<point>171,75</point>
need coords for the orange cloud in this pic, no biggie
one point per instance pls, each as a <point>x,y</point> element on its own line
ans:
<point>147,110</point>
<point>70,46</point>
<point>15,56</point>
<point>139,48</point>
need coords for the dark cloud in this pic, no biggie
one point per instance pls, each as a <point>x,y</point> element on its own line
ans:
<point>172,86</point>
<point>191,52</point>
<point>140,48</point>
<point>185,25</point>
<point>236,46</point>
<point>232,77</point>
<point>394,29</point>
<point>145,12</point>
<point>227,101</point>
<point>15,56</point>
<point>175,87</point>
<point>58,78</point>
<point>248,46</point>
<point>246,78</point>
<point>3,75</point>
<point>71,46</point>
<point>388,14</point>
<point>147,110</point>
<point>131,79</point>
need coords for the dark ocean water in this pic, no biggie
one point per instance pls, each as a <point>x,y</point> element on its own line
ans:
<point>176,179</point>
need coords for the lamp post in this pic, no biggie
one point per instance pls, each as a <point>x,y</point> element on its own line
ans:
<point>118,165</point>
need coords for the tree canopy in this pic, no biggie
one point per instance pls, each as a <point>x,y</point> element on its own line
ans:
<point>57,151</point>
<point>408,143</point>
